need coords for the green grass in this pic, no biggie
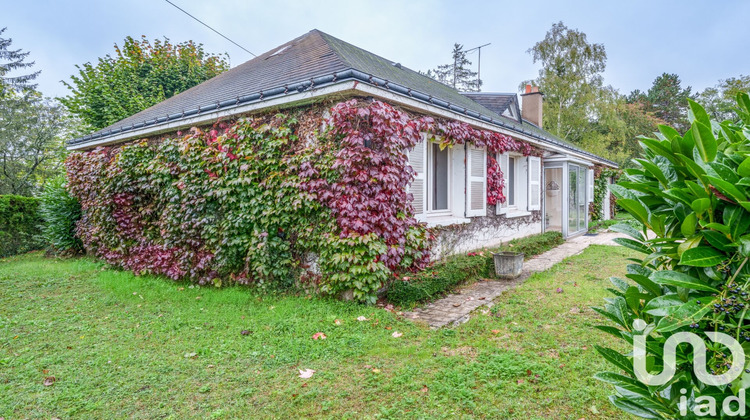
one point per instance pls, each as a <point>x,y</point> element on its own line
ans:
<point>117,345</point>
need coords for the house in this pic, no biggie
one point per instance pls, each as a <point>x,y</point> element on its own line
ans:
<point>549,190</point>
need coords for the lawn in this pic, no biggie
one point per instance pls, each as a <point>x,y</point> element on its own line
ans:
<point>144,347</point>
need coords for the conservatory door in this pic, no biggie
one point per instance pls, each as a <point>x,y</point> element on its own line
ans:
<point>576,199</point>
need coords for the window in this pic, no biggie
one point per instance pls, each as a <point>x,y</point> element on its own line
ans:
<point>439,175</point>
<point>522,184</point>
<point>511,182</point>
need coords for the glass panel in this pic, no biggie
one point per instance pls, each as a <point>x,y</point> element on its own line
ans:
<point>511,181</point>
<point>439,178</point>
<point>553,205</point>
<point>572,199</point>
<point>582,198</point>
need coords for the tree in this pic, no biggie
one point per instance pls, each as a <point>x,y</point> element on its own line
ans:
<point>32,130</point>
<point>457,73</point>
<point>139,75</point>
<point>13,60</point>
<point>719,100</point>
<point>570,77</point>
<point>691,274</point>
<point>615,127</point>
<point>666,99</point>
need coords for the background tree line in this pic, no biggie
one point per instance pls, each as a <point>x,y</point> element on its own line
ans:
<point>34,129</point>
<point>579,108</point>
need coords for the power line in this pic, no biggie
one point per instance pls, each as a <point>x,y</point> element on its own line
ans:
<point>206,25</point>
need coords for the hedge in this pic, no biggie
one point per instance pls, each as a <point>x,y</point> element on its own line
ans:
<point>20,225</point>
<point>446,275</point>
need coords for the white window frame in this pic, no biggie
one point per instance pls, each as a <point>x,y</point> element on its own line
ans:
<point>522,178</point>
<point>429,170</point>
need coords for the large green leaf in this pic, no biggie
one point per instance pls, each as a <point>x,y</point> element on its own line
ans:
<point>633,408</point>
<point>677,279</point>
<point>646,283</point>
<point>700,205</point>
<point>738,221</point>
<point>616,358</point>
<point>718,240</point>
<point>688,225</point>
<point>632,244</point>
<point>685,315</point>
<point>628,230</point>
<point>663,305</point>
<point>727,189</point>
<point>702,256</point>
<point>624,382</point>
<point>636,208</point>
<point>697,113</point>
<point>705,141</point>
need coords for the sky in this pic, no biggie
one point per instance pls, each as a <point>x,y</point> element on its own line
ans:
<point>700,41</point>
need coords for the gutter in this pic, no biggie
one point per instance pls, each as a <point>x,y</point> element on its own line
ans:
<point>300,87</point>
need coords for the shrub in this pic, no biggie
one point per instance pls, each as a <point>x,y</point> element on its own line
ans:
<point>455,270</point>
<point>60,213</point>
<point>534,244</point>
<point>436,280</point>
<point>692,191</point>
<point>20,225</point>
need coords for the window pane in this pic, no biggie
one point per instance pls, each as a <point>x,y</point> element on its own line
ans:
<point>439,178</point>
<point>511,181</point>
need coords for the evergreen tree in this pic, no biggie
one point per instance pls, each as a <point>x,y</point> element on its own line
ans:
<point>457,74</point>
<point>11,60</point>
<point>666,99</point>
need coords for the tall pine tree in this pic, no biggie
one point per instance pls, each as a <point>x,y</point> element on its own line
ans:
<point>11,60</point>
<point>457,74</point>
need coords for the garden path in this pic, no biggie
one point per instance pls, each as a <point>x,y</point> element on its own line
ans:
<point>456,308</point>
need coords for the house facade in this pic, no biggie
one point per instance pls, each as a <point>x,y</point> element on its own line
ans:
<point>549,189</point>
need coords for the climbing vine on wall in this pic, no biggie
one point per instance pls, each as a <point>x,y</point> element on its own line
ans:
<point>601,176</point>
<point>268,200</point>
<point>455,133</point>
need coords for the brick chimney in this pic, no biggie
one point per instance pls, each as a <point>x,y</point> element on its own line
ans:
<point>531,105</point>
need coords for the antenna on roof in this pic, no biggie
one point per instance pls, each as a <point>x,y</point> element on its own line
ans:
<point>479,62</point>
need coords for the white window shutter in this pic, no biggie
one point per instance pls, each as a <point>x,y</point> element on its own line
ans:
<point>418,187</point>
<point>590,184</point>
<point>502,160</point>
<point>535,177</point>
<point>476,182</point>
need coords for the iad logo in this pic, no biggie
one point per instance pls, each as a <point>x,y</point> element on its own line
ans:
<point>699,366</point>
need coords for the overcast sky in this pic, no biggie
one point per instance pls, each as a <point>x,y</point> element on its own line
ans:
<point>701,41</point>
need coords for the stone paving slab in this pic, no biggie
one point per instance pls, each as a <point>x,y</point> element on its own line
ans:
<point>456,308</point>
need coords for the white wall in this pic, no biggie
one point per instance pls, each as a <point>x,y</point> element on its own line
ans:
<point>483,232</point>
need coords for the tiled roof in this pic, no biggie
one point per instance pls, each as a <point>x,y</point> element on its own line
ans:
<point>313,56</point>
<point>495,102</point>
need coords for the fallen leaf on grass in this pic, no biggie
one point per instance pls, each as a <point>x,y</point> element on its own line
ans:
<point>319,335</point>
<point>376,370</point>
<point>246,332</point>
<point>306,373</point>
<point>361,318</point>
<point>425,389</point>
<point>559,290</point>
<point>191,355</point>
<point>337,322</point>
<point>49,381</point>
<point>495,331</point>
<point>397,334</point>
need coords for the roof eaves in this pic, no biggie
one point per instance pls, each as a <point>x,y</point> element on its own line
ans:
<point>331,78</point>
